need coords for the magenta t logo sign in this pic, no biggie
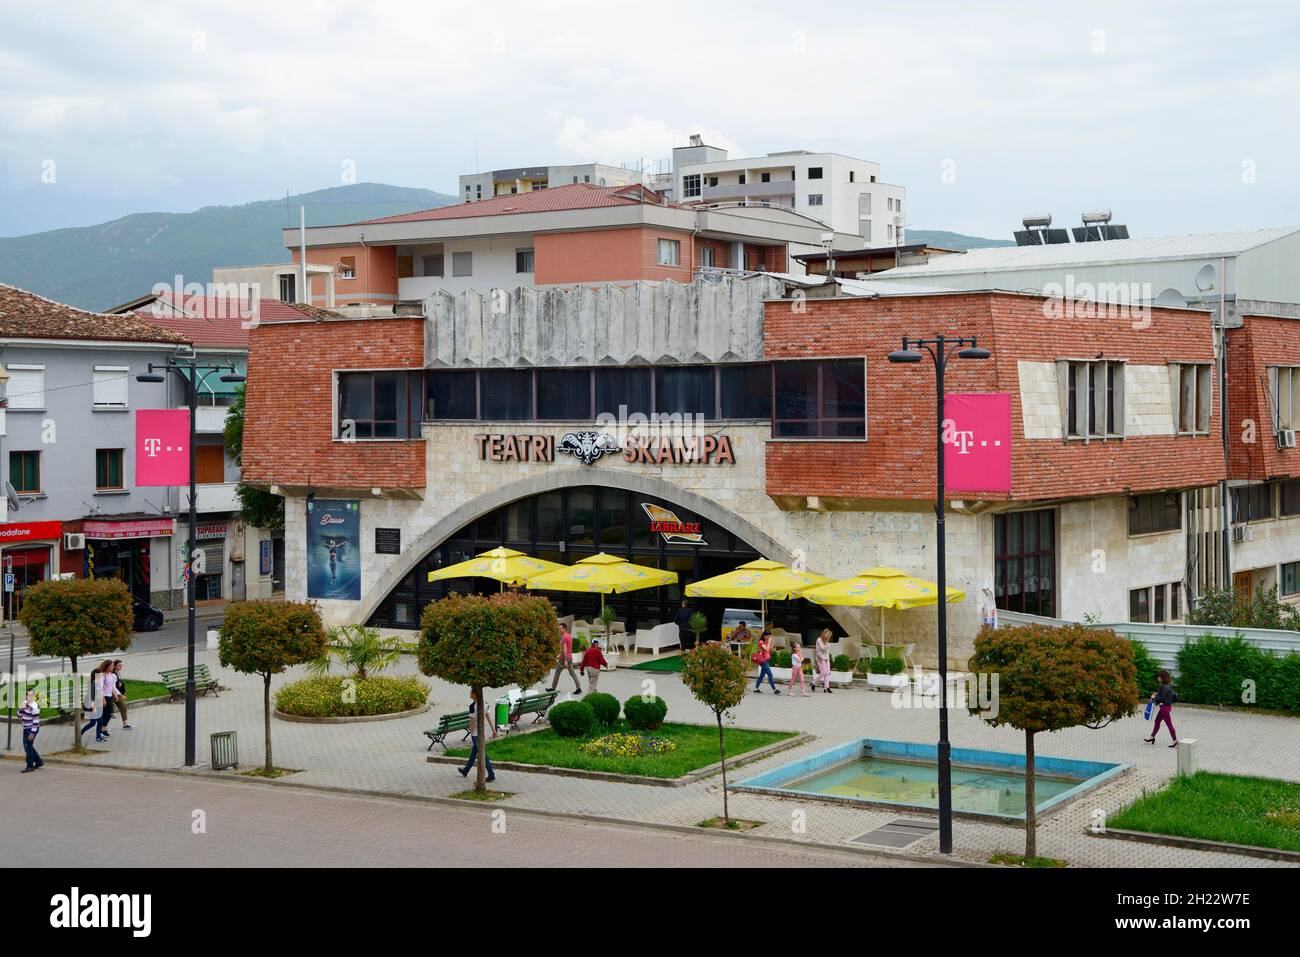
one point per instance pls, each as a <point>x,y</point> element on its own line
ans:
<point>977,433</point>
<point>162,447</point>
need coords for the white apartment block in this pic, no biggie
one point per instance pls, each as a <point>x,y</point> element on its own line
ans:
<point>843,192</point>
<point>525,179</point>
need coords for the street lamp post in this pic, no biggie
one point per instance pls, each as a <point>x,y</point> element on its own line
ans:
<point>941,349</point>
<point>193,374</point>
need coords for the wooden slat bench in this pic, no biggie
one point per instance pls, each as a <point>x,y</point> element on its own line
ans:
<point>534,704</point>
<point>446,725</point>
<point>174,679</point>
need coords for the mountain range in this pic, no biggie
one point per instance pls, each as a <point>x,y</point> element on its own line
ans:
<point>98,267</point>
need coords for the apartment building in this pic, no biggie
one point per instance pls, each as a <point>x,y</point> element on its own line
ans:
<point>569,235</point>
<point>841,191</point>
<point>475,187</point>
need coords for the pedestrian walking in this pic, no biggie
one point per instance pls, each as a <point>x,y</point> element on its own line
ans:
<point>474,705</point>
<point>822,660</point>
<point>108,692</point>
<point>1164,698</point>
<point>94,703</point>
<point>30,714</point>
<point>565,662</point>
<point>119,697</point>
<point>763,658</point>
<point>592,662</point>
<point>796,671</point>
<point>685,637</point>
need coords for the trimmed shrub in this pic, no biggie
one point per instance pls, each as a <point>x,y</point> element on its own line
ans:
<point>885,666</point>
<point>1214,670</point>
<point>841,663</point>
<point>604,707</point>
<point>781,659</point>
<point>572,719</point>
<point>1147,669</point>
<point>333,696</point>
<point>645,714</point>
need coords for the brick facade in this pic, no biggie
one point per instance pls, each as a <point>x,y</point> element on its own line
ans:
<point>288,425</point>
<point>897,459</point>
<point>1252,448</point>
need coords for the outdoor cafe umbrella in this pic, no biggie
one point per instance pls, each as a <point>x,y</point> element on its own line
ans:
<point>502,564</point>
<point>604,574</point>
<point>881,588</point>
<point>761,579</point>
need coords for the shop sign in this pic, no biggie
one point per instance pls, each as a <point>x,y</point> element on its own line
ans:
<point>29,531</point>
<point>589,447</point>
<point>673,529</point>
<point>143,528</point>
<point>265,557</point>
<point>208,532</point>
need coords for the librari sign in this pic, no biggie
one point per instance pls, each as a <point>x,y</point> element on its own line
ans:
<point>589,447</point>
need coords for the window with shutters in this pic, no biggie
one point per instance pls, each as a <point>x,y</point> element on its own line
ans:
<point>1191,387</point>
<point>1091,398</point>
<point>209,464</point>
<point>109,387</point>
<point>26,388</point>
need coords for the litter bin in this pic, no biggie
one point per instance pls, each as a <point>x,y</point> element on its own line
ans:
<point>503,714</point>
<point>225,750</point>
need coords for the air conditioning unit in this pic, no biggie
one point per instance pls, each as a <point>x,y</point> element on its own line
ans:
<point>1242,533</point>
<point>73,541</point>
<point>1286,438</point>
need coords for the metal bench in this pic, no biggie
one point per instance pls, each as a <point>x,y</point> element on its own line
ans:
<point>174,679</point>
<point>534,704</point>
<point>446,725</point>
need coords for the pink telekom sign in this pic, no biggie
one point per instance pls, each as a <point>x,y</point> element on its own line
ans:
<point>162,447</point>
<point>977,432</point>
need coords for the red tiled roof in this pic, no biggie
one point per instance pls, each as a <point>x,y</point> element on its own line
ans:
<point>25,315</point>
<point>216,322</point>
<point>556,199</point>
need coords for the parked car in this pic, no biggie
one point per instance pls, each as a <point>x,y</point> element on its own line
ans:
<point>147,617</point>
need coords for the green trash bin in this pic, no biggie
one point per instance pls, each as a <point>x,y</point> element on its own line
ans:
<point>503,714</point>
<point>225,750</point>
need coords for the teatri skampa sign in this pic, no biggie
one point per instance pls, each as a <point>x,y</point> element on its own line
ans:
<point>977,433</point>
<point>162,447</point>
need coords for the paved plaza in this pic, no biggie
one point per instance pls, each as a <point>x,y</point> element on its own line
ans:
<point>389,758</point>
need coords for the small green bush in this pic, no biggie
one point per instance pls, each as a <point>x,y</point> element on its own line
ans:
<point>645,714</point>
<point>781,659</point>
<point>334,696</point>
<point>841,663</point>
<point>580,644</point>
<point>1147,669</point>
<point>604,707</point>
<point>572,719</point>
<point>885,666</point>
<point>1214,670</point>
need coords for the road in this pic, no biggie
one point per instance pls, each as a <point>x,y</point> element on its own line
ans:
<point>172,634</point>
<point>151,819</point>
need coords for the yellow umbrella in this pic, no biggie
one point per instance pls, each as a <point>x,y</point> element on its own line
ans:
<point>761,579</point>
<point>881,588</point>
<point>502,564</point>
<point>602,573</point>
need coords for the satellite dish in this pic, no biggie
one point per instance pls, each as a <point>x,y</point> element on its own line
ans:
<point>1205,277</point>
<point>1172,298</point>
<point>11,494</point>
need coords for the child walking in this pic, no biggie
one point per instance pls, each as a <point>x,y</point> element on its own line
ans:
<point>796,671</point>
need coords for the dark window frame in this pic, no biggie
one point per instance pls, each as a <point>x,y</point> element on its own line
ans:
<point>104,470</point>
<point>26,455</point>
<point>1252,503</point>
<point>405,424</point>
<point>820,424</point>
<point>1009,561</point>
<point>1147,516</point>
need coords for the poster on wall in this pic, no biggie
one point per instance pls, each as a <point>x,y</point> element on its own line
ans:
<point>334,549</point>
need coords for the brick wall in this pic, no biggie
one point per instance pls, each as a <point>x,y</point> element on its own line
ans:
<point>1252,448</point>
<point>288,426</point>
<point>897,460</point>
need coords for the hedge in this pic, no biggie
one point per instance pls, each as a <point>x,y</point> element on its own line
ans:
<point>1215,670</point>
<point>572,719</point>
<point>604,706</point>
<point>327,696</point>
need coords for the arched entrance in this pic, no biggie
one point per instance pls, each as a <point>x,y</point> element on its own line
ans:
<point>569,522</point>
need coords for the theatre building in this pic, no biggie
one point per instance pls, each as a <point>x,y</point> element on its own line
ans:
<point>697,426</point>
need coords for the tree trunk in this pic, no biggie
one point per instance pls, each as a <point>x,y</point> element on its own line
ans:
<point>480,764</point>
<point>1031,821</point>
<point>722,751</point>
<point>266,712</point>
<point>77,713</point>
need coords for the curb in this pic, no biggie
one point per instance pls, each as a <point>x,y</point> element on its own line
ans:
<point>683,829</point>
<point>303,719</point>
<point>613,777</point>
<point>1199,844</point>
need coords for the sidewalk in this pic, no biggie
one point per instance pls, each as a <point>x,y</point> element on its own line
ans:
<point>388,757</point>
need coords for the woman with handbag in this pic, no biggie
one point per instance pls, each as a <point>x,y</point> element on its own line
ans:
<point>763,658</point>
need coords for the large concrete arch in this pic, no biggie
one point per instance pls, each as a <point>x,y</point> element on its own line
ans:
<point>470,511</point>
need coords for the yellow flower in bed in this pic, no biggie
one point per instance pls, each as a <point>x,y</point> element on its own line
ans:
<point>621,745</point>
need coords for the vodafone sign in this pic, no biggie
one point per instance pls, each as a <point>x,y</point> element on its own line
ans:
<point>29,531</point>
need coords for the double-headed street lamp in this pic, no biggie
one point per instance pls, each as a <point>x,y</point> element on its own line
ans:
<point>941,349</point>
<point>193,374</point>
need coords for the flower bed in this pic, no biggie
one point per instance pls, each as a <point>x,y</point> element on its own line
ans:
<point>627,746</point>
<point>333,696</point>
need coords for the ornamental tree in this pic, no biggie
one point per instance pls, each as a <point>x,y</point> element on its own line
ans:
<point>265,638</point>
<point>73,618</point>
<point>718,679</point>
<point>1049,679</point>
<point>488,642</point>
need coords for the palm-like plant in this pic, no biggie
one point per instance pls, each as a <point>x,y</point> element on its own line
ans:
<point>362,651</point>
<point>607,618</point>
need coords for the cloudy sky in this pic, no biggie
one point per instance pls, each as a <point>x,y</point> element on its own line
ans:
<point>1179,116</point>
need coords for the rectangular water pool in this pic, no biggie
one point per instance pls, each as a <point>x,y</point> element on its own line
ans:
<point>904,774</point>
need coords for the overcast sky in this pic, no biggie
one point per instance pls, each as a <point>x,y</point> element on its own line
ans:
<point>1181,117</point>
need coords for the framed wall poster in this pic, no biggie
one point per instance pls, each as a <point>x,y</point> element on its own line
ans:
<point>334,549</point>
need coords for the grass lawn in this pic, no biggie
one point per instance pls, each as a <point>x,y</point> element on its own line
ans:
<point>1220,807</point>
<point>697,746</point>
<point>135,691</point>
<point>671,663</point>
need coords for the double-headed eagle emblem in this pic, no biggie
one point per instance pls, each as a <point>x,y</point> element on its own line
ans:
<point>587,447</point>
